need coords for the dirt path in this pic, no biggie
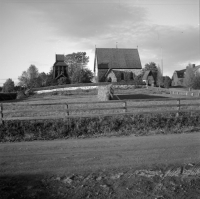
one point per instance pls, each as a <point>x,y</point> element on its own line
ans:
<point>67,156</point>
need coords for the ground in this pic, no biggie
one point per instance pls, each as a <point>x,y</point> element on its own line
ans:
<point>161,166</point>
<point>116,167</point>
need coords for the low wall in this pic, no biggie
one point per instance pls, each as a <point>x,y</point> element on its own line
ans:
<point>87,88</point>
<point>66,89</point>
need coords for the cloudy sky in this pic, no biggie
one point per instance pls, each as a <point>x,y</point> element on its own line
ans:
<point>33,31</point>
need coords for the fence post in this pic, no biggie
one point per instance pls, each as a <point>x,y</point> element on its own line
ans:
<point>1,114</point>
<point>66,111</point>
<point>178,107</point>
<point>125,106</point>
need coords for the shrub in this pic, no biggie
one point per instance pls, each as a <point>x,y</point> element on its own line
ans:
<point>76,127</point>
<point>7,96</point>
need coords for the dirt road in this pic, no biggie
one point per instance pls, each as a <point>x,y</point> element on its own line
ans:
<point>76,155</point>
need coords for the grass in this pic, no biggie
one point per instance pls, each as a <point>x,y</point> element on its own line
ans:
<point>62,99</point>
<point>77,127</point>
<point>138,125</point>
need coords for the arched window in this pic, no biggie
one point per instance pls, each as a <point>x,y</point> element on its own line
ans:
<point>122,76</point>
<point>131,76</point>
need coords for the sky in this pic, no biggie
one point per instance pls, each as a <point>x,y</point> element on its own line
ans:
<point>33,31</point>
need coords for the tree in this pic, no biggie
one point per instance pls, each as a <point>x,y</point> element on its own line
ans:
<point>8,86</point>
<point>43,78</point>
<point>189,77</point>
<point>63,80</point>
<point>50,81</point>
<point>138,80</point>
<point>153,68</point>
<point>76,61</point>
<point>196,82</point>
<point>29,78</point>
<point>159,77</point>
<point>167,81</point>
<point>82,76</point>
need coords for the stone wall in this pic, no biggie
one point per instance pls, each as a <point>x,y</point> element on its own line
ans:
<point>134,71</point>
<point>126,86</point>
<point>105,93</point>
<point>66,89</point>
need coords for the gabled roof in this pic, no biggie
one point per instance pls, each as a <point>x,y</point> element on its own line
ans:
<point>196,68</point>
<point>118,58</point>
<point>180,73</point>
<point>146,74</point>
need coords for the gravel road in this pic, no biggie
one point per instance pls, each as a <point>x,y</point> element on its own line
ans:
<point>78,155</point>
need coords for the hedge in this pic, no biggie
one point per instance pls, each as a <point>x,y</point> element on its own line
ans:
<point>12,131</point>
<point>7,96</point>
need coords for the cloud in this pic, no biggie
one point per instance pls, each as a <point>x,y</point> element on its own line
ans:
<point>79,26</point>
<point>86,20</point>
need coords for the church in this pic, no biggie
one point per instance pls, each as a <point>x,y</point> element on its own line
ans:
<point>116,64</point>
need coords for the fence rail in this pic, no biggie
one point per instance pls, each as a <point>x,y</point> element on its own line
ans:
<point>65,111</point>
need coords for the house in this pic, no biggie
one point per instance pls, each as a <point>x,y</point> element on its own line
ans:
<point>177,78</point>
<point>60,68</point>
<point>116,64</point>
<point>148,78</point>
<point>196,69</point>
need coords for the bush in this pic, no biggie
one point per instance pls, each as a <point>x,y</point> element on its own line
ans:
<point>77,127</point>
<point>8,96</point>
<point>21,95</point>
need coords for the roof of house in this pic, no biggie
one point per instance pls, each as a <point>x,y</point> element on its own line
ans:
<point>180,73</point>
<point>146,74</point>
<point>118,58</point>
<point>196,68</point>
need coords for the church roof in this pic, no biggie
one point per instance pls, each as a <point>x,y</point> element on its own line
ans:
<point>118,58</point>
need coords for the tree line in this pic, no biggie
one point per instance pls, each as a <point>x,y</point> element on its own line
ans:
<point>31,78</point>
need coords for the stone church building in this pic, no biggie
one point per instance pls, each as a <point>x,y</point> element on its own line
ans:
<point>116,64</point>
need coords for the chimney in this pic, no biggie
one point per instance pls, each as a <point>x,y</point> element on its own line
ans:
<point>193,65</point>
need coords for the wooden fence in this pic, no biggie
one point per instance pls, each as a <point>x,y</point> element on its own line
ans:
<point>186,93</point>
<point>65,111</point>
